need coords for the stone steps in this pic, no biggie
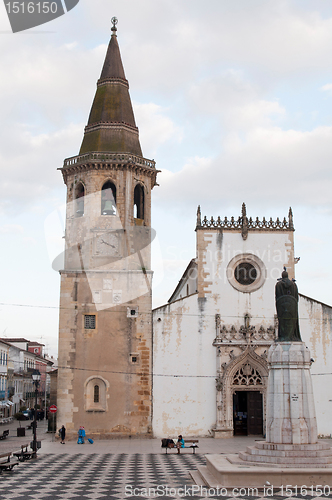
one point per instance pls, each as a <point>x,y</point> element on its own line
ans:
<point>203,477</point>
<point>230,471</point>
<point>253,450</point>
<point>288,455</point>
<point>263,445</point>
<point>293,461</point>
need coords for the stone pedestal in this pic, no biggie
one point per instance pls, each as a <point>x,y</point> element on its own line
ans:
<point>291,429</point>
<point>291,417</point>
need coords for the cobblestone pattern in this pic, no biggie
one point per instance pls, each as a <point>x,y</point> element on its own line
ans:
<point>108,476</point>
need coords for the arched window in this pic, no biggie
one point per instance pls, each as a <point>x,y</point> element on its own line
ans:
<point>139,202</point>
<point>108,199</point>
<point>79,200</point>
<point>96,394</point>
<point>247,375</point>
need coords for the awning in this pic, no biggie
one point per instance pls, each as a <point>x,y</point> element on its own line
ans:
<point>6,403</point>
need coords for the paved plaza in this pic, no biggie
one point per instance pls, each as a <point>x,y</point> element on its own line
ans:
<point>115,470</point>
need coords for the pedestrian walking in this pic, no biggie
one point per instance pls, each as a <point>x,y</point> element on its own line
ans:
<point>62,434</point>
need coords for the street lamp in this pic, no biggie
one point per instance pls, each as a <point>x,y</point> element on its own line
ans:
<point>36,380</point>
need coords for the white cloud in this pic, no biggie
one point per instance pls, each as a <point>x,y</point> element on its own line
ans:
<point>179,42</point>
<point>266,164</point>
<point>30,241</point>
<point>155,127</point>
<point>11,229</point>
<point>327,87</point>
<point>31,164</point>
<point>310,241</point>
<point>236,102</point>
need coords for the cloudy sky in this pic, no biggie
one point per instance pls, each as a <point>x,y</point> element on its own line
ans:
<point>233,99</point>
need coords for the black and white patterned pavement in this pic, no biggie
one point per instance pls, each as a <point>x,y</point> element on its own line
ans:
<point>112,477</point>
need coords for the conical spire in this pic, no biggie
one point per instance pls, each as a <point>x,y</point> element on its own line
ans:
<point>111,126</point>
<point>113,67</point>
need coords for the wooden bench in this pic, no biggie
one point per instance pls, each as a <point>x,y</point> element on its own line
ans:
<point>5,434</point>
<point>24,454</point>
<point>6,464</point>
<point>169,446</point>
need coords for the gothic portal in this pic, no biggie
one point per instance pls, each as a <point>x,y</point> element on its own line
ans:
<point>105,332</point>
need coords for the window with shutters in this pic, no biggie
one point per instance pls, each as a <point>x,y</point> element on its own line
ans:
<point>90,321</point>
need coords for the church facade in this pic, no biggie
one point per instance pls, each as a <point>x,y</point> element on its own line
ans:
<point>211,339</point>
<point>105,329</point>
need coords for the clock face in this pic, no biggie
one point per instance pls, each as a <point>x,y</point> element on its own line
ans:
<point>108,244</point>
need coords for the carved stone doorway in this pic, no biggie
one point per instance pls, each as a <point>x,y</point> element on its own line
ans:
<point>245,373</point>
<point>248,413</point>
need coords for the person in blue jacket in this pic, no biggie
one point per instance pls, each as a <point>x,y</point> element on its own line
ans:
<point>180,443</point>
<point>81,436</point>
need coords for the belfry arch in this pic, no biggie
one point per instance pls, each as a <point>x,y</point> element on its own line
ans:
<point>79,199</point>
<point>139,203</point>
<point>244,374</point>
<point>108,198</point>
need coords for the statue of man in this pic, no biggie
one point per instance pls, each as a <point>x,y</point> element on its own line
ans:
<point>287,309</point>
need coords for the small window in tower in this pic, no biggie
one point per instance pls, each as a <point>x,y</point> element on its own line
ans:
<point>108,199</point>
<point>134,358</point>
<point>96,394</point>
<point>79,200</point>
<point>139,203</point>
<point>132,312</point>
<point>90,321</point>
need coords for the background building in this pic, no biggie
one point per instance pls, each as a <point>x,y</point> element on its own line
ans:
<point>5,390</point>
<point>23,358</point>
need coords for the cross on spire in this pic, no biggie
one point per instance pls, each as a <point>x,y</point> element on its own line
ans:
<point>114,21</point>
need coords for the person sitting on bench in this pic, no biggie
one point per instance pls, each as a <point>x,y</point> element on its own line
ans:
<point>180,443</point>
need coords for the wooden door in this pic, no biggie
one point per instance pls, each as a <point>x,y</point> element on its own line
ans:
<point>240,413</point>
<point>255,413</point>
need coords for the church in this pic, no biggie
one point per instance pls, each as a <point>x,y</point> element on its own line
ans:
<point>210,341</point>
<point>197,365</point>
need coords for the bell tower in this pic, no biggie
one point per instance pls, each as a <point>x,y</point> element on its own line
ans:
<point>105,330</point>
